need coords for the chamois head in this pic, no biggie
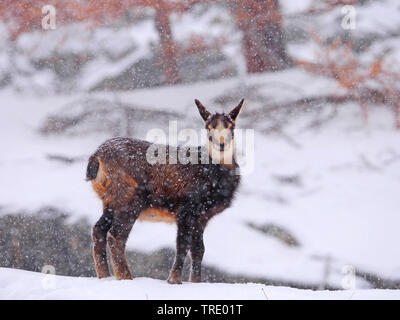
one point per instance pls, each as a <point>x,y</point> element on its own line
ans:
<point>220,130</point>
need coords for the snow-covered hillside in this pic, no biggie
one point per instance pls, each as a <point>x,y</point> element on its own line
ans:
<point>80,58</point>
<point>333,188</point>
<point>18,284</point>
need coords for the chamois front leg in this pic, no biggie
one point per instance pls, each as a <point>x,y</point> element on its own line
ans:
<point>185,224</point>
<point>116,238</point>
<point>197,251</point>
<point>99,236</point>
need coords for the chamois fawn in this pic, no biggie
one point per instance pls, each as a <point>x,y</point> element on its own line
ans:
<point>188,194</point>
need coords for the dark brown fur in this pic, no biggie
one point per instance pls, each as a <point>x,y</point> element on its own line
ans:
<point>130,188</point>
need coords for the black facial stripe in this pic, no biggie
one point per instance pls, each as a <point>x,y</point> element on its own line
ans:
<point>213,120</point>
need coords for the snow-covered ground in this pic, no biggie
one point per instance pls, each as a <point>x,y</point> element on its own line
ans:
<point>18,284</point>
<point>343,207</point>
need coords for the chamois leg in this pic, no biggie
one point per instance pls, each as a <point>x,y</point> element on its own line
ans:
<point>116,239</point>
<point>99,235</point>
<point>197,251</point>
<point>183,240</point>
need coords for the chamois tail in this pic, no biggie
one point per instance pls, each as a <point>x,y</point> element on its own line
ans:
<point>92,168</point>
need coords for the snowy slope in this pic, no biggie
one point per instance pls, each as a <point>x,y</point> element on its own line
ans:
<point>343,210</point>
<point>109,51</point>
<point>17,284</point>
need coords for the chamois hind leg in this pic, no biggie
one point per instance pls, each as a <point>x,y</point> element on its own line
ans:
<point>116,238</point>
<point>99,235</point>
<point>197,251</point>
<point>185,224</point>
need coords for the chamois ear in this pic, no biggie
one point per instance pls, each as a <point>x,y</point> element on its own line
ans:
<point>235,112</point>
<point>202,109</point>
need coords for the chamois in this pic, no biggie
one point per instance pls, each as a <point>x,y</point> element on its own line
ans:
<point>187,194</point>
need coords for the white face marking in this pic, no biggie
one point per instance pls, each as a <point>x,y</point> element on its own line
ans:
<point>221,157</point>
<point>220,134</point>
<point>221,145</point>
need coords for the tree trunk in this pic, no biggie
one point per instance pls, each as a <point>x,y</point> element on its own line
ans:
<point>396,107</point>
<point>397,114</point>
<point>263,39</point>
<point>168,51</point>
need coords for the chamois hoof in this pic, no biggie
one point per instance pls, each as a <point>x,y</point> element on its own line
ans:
<point>195,279</point>
<point>124,277</point>
<point>173,279</point>
<point>102,271</point>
